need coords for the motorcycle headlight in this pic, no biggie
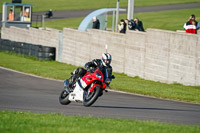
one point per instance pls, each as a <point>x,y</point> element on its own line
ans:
<point>99,76</point>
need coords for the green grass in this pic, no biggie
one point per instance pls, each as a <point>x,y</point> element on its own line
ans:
<point>44,5</point>
<point>56,70</point>
<point>20,122</point>
<point>61,23</point>
<point>50,69</point>
<point>167,20</point>
<point>157,89</point>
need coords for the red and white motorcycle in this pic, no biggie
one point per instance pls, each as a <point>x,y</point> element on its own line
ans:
<point>86,89</point>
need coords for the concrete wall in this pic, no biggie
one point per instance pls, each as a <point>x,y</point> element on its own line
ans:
<point>197,73</point>
<point>157,55</point>
<point>176,59</point>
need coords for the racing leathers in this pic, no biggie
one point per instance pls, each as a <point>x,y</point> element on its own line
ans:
<point>97,63</point>
<point>91,67</point>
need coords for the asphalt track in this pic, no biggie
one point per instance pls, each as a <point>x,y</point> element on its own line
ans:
<point>23,92</point>
<point>83,13</point>
<point>67,14</point>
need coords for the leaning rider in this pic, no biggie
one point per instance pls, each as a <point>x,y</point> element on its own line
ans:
<point>102,64</point>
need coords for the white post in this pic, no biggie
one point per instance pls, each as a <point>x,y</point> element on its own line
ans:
<point>117,16</point>
<point>113,22</point>
<point>4,13</point>
<point>43,21</point>
<point>130,9</point>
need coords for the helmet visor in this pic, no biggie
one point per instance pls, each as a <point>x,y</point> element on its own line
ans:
<point>107,62</point>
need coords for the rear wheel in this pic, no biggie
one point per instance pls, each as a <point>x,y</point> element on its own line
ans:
<point>90,97</point>
<point>64,98</point>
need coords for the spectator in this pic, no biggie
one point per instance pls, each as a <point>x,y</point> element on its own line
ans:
<point>96,23</point>
<point>192,25</point>
<point>122,26</point>
<point>128,24</point>
<point>49,13</point>
<point>136,25</point>
<point>26,16</point>
<point>131,24</point>
<point>11,15</point>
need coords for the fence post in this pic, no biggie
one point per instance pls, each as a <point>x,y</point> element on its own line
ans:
<point>60,46</point>
<point>43,21</point>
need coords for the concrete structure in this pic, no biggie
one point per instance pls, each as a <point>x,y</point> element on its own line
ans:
<point>101,14</point>
<point>22,15</point>
<point>158,55</point>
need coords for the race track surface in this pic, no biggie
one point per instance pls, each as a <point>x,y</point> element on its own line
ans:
<point>66,14</point>
<point>29,93</point>
<point>83,13</point>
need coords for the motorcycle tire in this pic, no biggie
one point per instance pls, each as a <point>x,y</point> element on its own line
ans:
<point>64,98</point>
<point>90,97</point>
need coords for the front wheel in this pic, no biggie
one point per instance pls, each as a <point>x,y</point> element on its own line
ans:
<point>64,98</point>
<point>90,97</point>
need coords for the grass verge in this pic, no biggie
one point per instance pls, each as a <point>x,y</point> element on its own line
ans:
<point>167,20</point>
<point>56,70</point>
<point>44,5</point>
<point>20,122</point>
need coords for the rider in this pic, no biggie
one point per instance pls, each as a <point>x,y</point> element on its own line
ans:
<point>103,64</point>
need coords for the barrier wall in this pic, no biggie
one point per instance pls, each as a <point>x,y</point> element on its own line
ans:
<point>197,74</point>
<point>49,37</point>
<point>157,55</point>
<point>176,56</point>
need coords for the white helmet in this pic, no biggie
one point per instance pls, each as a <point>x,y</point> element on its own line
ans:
<point>106,59</point>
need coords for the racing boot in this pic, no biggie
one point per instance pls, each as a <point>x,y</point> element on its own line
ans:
<point>71,81</point>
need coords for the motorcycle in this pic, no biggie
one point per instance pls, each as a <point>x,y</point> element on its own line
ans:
<point>86,89</point>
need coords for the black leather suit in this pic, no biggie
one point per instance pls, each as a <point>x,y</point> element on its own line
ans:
<point>91,67</point>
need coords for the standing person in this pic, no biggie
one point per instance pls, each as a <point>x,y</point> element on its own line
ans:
<point>49,13</point>
<point>131,25</point>
<point>138,25</point>
<point>122,26</point>
<point>26,16</point>
<point>11,15</point>
<point>192,25</point>
<point>96,23</point>
<point>128,24</point>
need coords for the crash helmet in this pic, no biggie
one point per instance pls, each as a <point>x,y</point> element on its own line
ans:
<point>106,59</point>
